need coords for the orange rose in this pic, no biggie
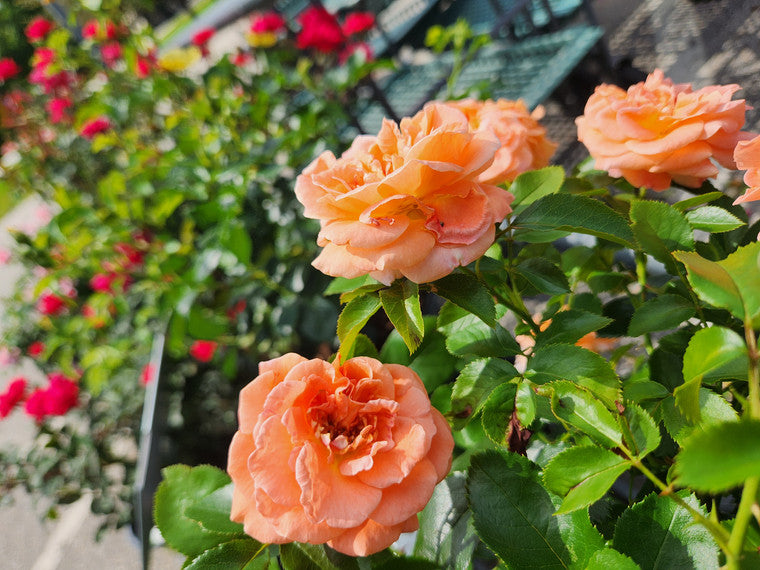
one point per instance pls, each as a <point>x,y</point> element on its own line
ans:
<point>346,454</point>
<point>524,145</point>
<point>407,202</point>
<point>658,131</point>
<point>747,157</point>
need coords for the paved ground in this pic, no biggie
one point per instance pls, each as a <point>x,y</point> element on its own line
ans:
<point>705,42</point>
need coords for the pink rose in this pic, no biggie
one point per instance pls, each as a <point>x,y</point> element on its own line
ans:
<point>38,28</point>
<point>57,399</point>
<point>94,126</point>
<point>346,454</point>
<point>111,53</point>
<point>13,394</point>
<point>8,68</point>
<point>51,304</point>
<point>659,131</point>
<point>407,202</point>
<point>35,349</point>
<point>524,145</point>
<point>203,350</point>
<point>319,30</point>
<point>267,22</point>
<point>102,282</point>
<point>358,22</point>
<point>747,156</point>
<point>56,107</point>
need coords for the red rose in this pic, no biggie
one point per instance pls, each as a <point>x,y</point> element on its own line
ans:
<point>267,22</point>
<point>95,126</point>
<point>59,397</point>
<point>90,29</point>
<point>38,28</point>
<point>358,22</point>
<point>201,37</point>
<point>8,68</point>
<point>319,30</point>
<point>203,350</point>
<point>143,65</point>
<point>56,107</point>
<point>12,396</point>
<point>51,304</point>
<point>35,349</point>
<point>111,53</point>
<point>102,282</point>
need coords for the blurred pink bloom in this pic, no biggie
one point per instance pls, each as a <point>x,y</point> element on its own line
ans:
<point>267,22</point>
<point>13,394</point>
<point>358,22</point>
<point>203,350</point>
<point>8,68</point>
<point>95,126</point>
<point>8,355</point>
<point>5,256</point>
<point>111,53</point>
<point>51,304</point>
<point>56,107</point>
<point>38,28</point>
<point>148,374</point>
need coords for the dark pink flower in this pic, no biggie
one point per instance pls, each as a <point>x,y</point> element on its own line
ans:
<point>267,22</point>
<point>38,28</point>
<point>43,56</point>
<point>319,30</point>
<point>56,108</point>
<point>51,304</point>
<point>12,396</point>
<point>358,22</point>
<point>90,29</point>
<point>59,397</point>
<point>102,282</point>
<point>148,374</point>
<point>203,350</point>
<point>8,68</point>
<point>95,126</point>
<point>143,65</point>
<point>133,258</point>
<point>111,53</point>
<point>201,37</point>
<point>35,349</point>
<point>236,309</point>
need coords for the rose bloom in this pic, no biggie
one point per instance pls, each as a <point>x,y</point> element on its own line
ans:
<point>203,350</point>
<point>201,37</point>
<point>358,22</point>
<point>56,108</point>
<point>95,126</point>
<point>93,30</point>
<point>38,28</point>
<point>267,22</point>
<point>346,454</point>
<point>57,399</point>
<point>747,157</point>
<point>524,145</point>
<point>111,53</point>
<point>8,68</point>
<point>407,202</point>
<point>319,30</point>
<point>13,394</point>
<point>660,131</point>
<point>143,65</point>
<point>35,349</point>
<point>102,282</point>
<point>51,304</point>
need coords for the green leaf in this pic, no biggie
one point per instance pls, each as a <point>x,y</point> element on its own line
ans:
<point>574,363</point>
<point>720,457</point>
<point>239,554</point>
<point>716,352</point>
<point>544,276</point>
<point>609,559</point>
<point>583,475</point>
<point>343,285</point>
<point>525,403</point>
<point>180,489</point>
<point>600,281</point>
<point>446,535</point>
<point>661,313</point>
<point>577,407</point>
<point>657,533</point>
<point>534,184</point>
<point>684,205</point>
<point>713,219</point>
<point>467,292</point>
<point>236,239</point>
<point>468,335</point>
<point>353,317</point>
<point>567,212</point>
<point>301,556</point>
<point>713,408</point>
<point>363,346</point>
<point>213,511</point>
<point>570,326</point>
<point>497,413</point>
<point>205,324</point>
<point>401,302</point>
<point>661,229</point>
<point>640,432</point>
<point>475,383</point>
<point>514,516</point>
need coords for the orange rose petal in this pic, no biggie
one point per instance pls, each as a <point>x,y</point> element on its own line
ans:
<point>293,523</point>
<point>408,497</point>
<point>411,248</point>
<point>268,462</point>
<point>338,261</point>
<point>363,235</point>
<point>412,439</point>
<point>241,448</point>
<point>457,220</point>
<point>370,537</point>
<point>261,529</point>
<point>655,181</point>
<point>441,446</point>
<point>324,490</point>
<point>668,142</point>
<point>252,399</point>
<point>687,157</point>
<point>280,366</point>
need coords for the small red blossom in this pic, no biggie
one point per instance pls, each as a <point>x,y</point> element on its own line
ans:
<point>8,68</point>
<point>12,396</point>
<point>90,29</point>
<point>111,53</point>
<point>35,349</point>
<point>267,22</point>
<point>319,30</point>
<point>143,66</point>
<point>56,108</point>
<point>203,350</point>
<point>43,56</point>
<point>51,304</point>
<point>59,397</point>
<point>38,28</point>
<point>95,126</point>
<point>358,22</point>
<point>148,374</point>
<point>201,37</point>
<point>133,258</point>
<point>236,309</point>
<point>102,282</point>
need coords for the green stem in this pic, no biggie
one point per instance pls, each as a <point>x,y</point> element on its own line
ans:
<point>754,370</point>
<point>741,523</point>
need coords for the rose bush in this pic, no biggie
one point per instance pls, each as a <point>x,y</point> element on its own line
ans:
<point>659,131</point>
<point>407,202</point>
<point>344,453</point>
